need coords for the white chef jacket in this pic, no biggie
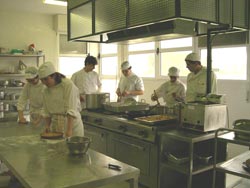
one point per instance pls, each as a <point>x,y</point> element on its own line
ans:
<point>87,82</point>
<point>197,84</point>
<point>32,94</point>
<point>168,88</point>
<point>130,83</point>
<point>64,99</point>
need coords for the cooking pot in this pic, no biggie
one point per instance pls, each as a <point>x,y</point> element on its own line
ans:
<point>96,100</point>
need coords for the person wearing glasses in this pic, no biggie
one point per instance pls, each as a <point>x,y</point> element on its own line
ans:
<point>31,94</point>
<point>61,102</point>
<point>130,85</point>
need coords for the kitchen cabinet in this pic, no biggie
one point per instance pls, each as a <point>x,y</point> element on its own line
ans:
<point>138,153</point>
<point>186,159</point>
<point>12,80</point>
<point>99,138</point>
<point>232,166</point>
<point>132,151</point>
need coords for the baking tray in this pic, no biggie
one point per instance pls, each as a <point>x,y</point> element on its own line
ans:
<point>125,107</point>
<point>156,119</point>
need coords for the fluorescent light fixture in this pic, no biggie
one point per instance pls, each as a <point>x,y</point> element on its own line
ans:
<point>56,2</point>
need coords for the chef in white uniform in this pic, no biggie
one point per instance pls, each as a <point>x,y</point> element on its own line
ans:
<point>197,78</point>
<point>86,79</point>
<point>130,85</point>
<point>61,102</point>
<point>31,94</point>
<point>172,91</point>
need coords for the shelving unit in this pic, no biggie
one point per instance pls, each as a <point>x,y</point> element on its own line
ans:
<point>37,56</point>
<point>9,110</point>
<point>193,172</point>
<point>232,166</point>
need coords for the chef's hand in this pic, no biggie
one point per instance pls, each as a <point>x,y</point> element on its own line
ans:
<point>126,93</point>
<point>153,97</point>
<point>22,120</point>
<point>174,95</point>
<point>82,98</point>
<point>68,133</point>
<point>47,129</point>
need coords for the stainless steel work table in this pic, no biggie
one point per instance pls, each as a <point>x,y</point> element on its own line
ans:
<point>39,163</point>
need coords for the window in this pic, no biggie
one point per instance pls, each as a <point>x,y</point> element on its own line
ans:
<point>109,68</point>
<point>142,59</point>
<point>173,53</point>
<point>71,54</point>
<point>232,66</point>
<point>176,59</point>
<point>176,43</point>
<point>75,63</point>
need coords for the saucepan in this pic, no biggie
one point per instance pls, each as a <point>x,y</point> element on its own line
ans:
<point>96,100</point>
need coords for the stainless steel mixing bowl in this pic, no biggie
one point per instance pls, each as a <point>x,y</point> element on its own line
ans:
<point>78,144</point>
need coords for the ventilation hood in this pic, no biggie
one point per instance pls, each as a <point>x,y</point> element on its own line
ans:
<point>134,21</point>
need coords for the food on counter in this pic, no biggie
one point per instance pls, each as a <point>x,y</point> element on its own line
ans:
<point>156,118</point>
<point>51,135</point>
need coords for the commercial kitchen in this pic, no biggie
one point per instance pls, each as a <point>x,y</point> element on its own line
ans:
<point>196,145</point>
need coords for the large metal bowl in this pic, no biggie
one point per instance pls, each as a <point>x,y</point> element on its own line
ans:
<point>78,145</point>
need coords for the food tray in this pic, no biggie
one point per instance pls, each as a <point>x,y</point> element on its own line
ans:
<point>125,107</point>
<point>51,135</point>
<point>156,119</point>
<point>177,159</point>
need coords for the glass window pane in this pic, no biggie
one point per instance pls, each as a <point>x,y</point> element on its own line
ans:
<point>109,66</point>
<point>110,86</point>
<point>175,43</point>
<point>232,66</point>
<point>143,64</point>
<point>75,63</point>
<point>108,48</point>
<point>176,59</point>
<point>141,46</point>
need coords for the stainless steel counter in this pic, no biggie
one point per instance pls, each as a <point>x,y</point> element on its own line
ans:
<point>39,163</point>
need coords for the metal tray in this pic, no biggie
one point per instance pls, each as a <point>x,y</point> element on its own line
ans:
<point>125,107</point>
<point>156,119</point>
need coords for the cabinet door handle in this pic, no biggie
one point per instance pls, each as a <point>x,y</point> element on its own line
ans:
<point>132,145</point>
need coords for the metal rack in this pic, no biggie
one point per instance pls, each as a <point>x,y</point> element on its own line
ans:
<point>9,112</point>
<point>233,165</point>
<point>193,172</point>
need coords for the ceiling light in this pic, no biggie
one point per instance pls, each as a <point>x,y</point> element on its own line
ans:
<point>56,2</point>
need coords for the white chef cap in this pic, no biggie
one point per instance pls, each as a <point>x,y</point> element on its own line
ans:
<point>125,65</point>
<point>193,57</point>
<point>31,72</point>
<point>173,71</point>
<point>46,69</point>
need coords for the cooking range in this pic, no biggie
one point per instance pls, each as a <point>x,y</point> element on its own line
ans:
<point>120,136</point>
<point>126,124</point>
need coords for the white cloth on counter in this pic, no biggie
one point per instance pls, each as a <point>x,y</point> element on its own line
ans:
<point>33,95</point>
<point>197,84</point>
<point>130,83</point>
<point>167,89</point>
<point>63,99</point>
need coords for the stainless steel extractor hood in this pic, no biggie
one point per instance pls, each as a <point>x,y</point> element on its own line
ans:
<point>130,21</point>
<point>153,32</point>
